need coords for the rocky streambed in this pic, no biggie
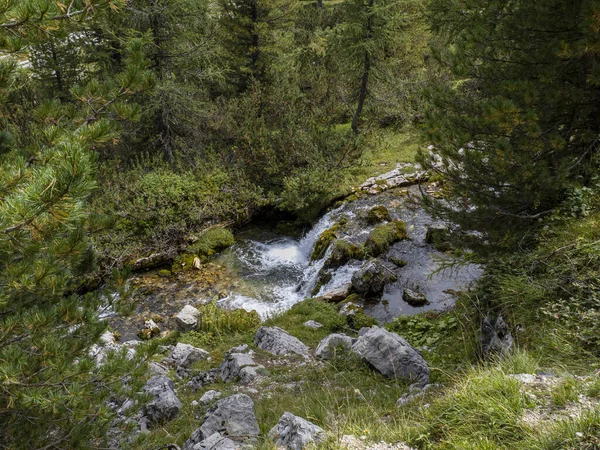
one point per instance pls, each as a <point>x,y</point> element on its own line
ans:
<point>268,271</point>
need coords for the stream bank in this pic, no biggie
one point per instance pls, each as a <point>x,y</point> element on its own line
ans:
<point>268,272</point>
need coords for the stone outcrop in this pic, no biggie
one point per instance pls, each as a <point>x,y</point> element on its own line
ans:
<point>217,442</point>
<point>209,396</point>
<point>294,433</point>
<point>313,324</point>
<point>165,405</point>
<point>279,342</point>
<point>327,347</point>
<point>392,356</point>
<point>232,416</point>
<point>337,295</point>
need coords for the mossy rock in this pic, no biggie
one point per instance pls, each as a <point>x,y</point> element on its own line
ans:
<point>211,242</point>
<point>378,214</point>
<point>326,238</point>
<point>323,278</point>
<point>352,298</point>
<point>184,261</point>
<point>343,251</point>
<point>383,236</point>
<point>398,262</point>
<point>322,244</point>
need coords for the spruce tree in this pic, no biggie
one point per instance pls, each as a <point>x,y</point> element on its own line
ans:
<point>52,394</point>
<point>517,127</point>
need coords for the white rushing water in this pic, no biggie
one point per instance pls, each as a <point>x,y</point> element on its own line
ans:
<point>277,271</point>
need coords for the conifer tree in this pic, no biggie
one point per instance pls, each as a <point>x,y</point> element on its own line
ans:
<point>250,31</point>
<point>363,38</point>
<point>52,394</point>
<point>518,126</point>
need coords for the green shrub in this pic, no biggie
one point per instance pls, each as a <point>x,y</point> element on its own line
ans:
<point>217,320</point>
<point>424,329</point>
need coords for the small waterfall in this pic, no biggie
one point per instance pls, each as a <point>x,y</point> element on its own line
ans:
<point>279,269</point>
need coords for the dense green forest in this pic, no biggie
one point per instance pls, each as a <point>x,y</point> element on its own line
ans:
<point>130,127</point>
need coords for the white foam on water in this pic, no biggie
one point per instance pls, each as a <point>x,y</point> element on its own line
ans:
<point>289,260</point>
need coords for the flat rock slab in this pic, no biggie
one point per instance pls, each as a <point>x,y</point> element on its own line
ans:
<point>392,356</point>
<point>279,342</point>
<point>294,433</point>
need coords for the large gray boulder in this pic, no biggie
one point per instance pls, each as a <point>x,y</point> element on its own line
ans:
<point>371,278</point>
<point>279,342</point>
<point>217,442</point>
<point>187,318</point>
<point>392,356</point>
<point>232,416</point>
<point>328,346</point>
<point>238,365</point>
<point>293,432</point>
<point>165,405</point>
<point>184,355</point>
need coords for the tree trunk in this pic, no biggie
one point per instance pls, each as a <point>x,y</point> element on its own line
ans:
<point>365,76</point>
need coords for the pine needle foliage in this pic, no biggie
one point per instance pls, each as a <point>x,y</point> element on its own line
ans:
<point>53,395</point>
<point>518,123</point>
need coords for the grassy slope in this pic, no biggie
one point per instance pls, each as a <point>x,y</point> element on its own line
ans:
<point>478,406</point>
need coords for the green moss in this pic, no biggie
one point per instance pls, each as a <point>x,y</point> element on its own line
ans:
<point>398,262</point>
<point>322,244</point>
<point>326,238</point>
<point>383,236</point>
<point>343,251</point>
<point>360,320</point>
<point>352,298</point>
<point>323,279</point>
<point>378,214</point>
<point>212,241</point>
<point>165,273</point>
<point>184,261</point>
